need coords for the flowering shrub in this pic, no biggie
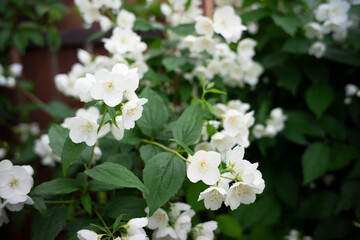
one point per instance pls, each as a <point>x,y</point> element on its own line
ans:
<point>173,109</point>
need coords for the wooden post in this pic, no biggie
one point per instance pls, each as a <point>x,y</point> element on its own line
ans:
<point>208,8</point>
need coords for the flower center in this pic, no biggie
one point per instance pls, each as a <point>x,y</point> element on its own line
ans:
<point>86,128</point>
<point>108,86</point>
<point>216,196</point>
<point>13,182</point>
<point>241,191</point>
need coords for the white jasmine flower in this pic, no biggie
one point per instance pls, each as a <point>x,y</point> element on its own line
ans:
<point>132,111</point>
<point>203,26</point>
<point>11,82</point>
<point>124,40</point>
<point>85,234</point>
<point>238,106</point>
<point>252,27</point>
<point>84,56</point>
<point>134,227</point>
<point>234,155</point>
<point>158,219</point>
<point>213,197</point>
<point>277,119</point>
<point>125,19</point>
<point>43,149</point>
<point>105,23</point>
<point>16,69</point>
<point>165,232</point>
<point>351,89</point>
<point>241,192</point>
<point>337,11</point>
<point>238,123</point>
<point>203,44</point>
<point>206,146</point>
<point>182,226</point>
<point>246,48</point>
<point>253,73</point>
<point>83,87</point>
<point>14,181</point>
<point>220,109</point>
<point>222,141</point>
<point>3,216</point>
<point>258,131</point>
<point>225,179</point>
<point>228,24</point>
<point>313,30</point>
<point>205,231</point>
<point>16,203</point>
<point>89,10</point>
<point>177,208</point>
<point>118,131</point>
<point>204,166</point>
<point>83,130</point>
<point>317,49</point>
<point>2,153</point>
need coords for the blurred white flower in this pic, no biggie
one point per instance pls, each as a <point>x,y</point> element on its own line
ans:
<point>125,19</point>
<point>317,49</point>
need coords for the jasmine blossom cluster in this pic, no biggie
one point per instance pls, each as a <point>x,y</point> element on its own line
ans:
<point>132,230</point>
<point>332,17</point>
<point>113,88</point>
<point>176,224</point>
<point>238,183</point>
<point>273,125</point>
<point>15,183</point>
<point>8,75</point>
<point>351,90</point>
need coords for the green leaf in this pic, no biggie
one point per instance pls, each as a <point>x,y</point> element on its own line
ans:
<point>213,90</point>
<point>348,57</point>
<point>57,136</point>
<point>49,228</point>
<point>163,175</point>
<point>289,77</point>
<point>297,46</point>
<point>187,128</point>
<point>96,35</point>
<point>263,211</point>
<point>354,37</point>
<point>229,226</point>
<point>116,174</point>
<point>148,151</point>
<point>287,187</point>
<point>184,29</point>
<point>288,23</point>
<point>333,127</point>
<point>70,153</point>
<point>40,205</point>
<point>132,136</point>
<point>253,16</point>
<point>97,186</point>
<point>57,186</point>
<point>349,197</point>
<point>142,24</point>
<point>112,113</point>
<point>171,63</point>
<point>58,109</point>
<point>20,41</point>
<point>129,206</point>
<point>5,35</point>
<point>155,113</point>
<point>319,205</point>
<point>183,145</point>
<point>117,222</point>
<point>192,195</point>
<point>319,98</point>
<point>315,161</point>
<point>86,202</point>
<point>305,124</point>
<point>341,156</point>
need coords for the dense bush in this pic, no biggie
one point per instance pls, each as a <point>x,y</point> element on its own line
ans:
<point>173,109</point>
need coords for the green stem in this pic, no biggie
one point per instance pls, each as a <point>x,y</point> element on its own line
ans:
<point>59,201</point>
<point>103,222</point>
<point>165,148</point>
<point>88,165</point>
